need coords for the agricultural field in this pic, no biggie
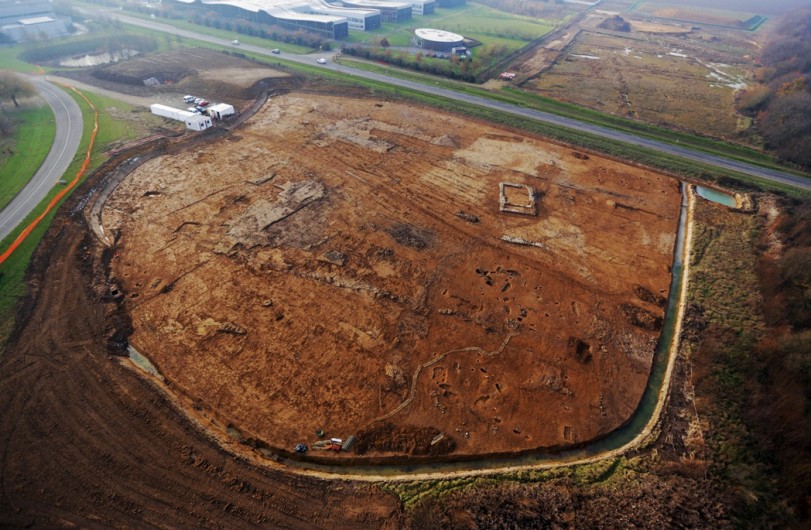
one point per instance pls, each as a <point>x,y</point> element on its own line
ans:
<point>427,283</point>
<point>662,73</point>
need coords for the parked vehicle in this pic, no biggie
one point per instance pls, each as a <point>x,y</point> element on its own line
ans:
<point>235,42</point>
<point>277,51</point>
<point>189,99</point>
<point>321,61</point>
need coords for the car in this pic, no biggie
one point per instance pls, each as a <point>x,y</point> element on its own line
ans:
<point>321,60</point>
<point>277,51</point>
<point>235,42</point>
<point>189,99</point>
<point>193,110</point>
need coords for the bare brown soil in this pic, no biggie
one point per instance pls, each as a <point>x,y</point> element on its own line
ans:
<point>86,443</point>
<point>370,268</point>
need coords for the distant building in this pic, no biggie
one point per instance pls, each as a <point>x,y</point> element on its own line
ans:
<point>390,10</point>
<point>270,12</point>
<point>331,18</point>
<point>438,40</point>
<point>358,18</point>
<point>423,7</point>
<point>30,20</point>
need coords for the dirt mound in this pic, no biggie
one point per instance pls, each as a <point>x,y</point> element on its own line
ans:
<point>218,75</point>
<point>403,440</point>
<point>615,23</point>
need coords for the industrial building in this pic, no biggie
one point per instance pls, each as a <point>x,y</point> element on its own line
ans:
<point>390,11</point>
<point>331,19</point>
<point>438,40</point>
<point>30,20</point>
<point>358,18</point>
<point>276,12</point>
<point>423,7</point>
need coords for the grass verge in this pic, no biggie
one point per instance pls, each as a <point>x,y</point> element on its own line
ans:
<point>29,145</point>
<point>725,286</point>
<point>12,271</point>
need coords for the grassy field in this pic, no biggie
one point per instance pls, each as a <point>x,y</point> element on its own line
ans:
<point>699,15</point>
<point>22,153</point>
<point>9,60</point>
<point>489,25</point>
<point>648,81</point>
<point>724,284</point>
<point>111,129</point>
<point>484,24</point>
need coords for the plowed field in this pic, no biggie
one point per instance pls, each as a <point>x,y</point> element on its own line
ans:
<point>428,283</point>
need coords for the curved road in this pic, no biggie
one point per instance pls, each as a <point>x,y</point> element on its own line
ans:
<point>768,174</point>
<point>69,128</point>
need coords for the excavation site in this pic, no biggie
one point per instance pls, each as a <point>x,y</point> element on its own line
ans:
<point>351,278</point>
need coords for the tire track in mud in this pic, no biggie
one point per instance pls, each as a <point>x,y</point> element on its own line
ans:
<point>88,443</point>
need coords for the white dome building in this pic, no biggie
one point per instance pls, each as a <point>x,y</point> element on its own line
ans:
<point>438,40</point>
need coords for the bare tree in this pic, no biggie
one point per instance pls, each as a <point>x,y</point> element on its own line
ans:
<point>13,86</point>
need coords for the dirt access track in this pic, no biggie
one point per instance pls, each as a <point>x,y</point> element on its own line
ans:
<point>430,284</point>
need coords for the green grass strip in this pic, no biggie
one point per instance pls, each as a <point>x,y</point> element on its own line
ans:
<point>29,145</point>
<point>12,271</point>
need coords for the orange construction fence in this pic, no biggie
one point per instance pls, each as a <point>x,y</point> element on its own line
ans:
<point>30,228</point>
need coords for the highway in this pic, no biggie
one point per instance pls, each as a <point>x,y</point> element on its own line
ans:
<point>767,174</point>
<point>69,127</point>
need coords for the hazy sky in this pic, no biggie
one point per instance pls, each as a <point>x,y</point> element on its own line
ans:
<point>763,7</point>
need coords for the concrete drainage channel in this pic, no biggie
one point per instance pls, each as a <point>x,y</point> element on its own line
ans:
<point>638,430</point>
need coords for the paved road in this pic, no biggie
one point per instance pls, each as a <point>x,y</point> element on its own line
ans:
<point>713,160</point>
<point>68,135</point>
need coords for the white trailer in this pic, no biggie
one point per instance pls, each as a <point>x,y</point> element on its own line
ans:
<point>169,112</point>
<point>198,122</point>
<point>220,110</point>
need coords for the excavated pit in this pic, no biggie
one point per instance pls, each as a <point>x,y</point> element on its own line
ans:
<point>429,283</point>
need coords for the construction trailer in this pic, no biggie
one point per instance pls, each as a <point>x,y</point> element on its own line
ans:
<point>193,121</point>
<point>198,122</point>
<point>220,110</point>
<point>170,112</point>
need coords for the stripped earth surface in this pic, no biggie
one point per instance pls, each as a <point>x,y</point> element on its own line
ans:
<point>433,285</point>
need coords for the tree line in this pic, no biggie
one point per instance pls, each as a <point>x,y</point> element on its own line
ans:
<point>781,101</point>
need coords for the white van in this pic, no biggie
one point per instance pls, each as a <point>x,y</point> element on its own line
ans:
<point>188,99</point>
